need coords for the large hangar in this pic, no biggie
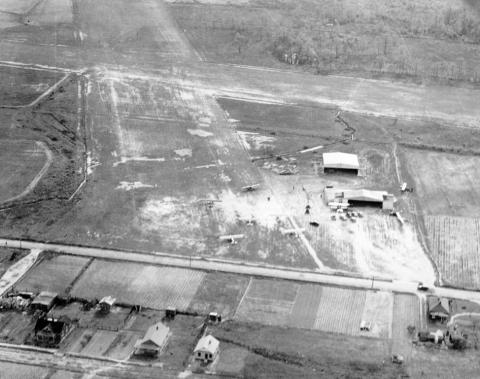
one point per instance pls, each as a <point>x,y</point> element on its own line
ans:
<point>340,162</point>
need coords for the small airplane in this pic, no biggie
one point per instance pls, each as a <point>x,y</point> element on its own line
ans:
<point>251,187</point>
<point>233,238</point>
<point>291,232</point>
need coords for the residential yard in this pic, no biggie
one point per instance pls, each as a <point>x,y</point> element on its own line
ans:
<point>15,327</point>
<point>406,312</point>
<point>407,40</point>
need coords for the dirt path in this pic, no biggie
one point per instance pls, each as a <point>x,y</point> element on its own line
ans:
<point>15,272</point>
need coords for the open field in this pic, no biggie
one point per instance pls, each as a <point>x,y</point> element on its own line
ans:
<point>53,273</point>
<point>23,161</point>
<point>443,364</point>
<point>367,38</point>
<point>406,312</point>
<point>285,353</point>
<point>454,244</point>
<point>135,284</point>
<point>220,293</point>
<point>446,184</point>
<point>22,86</point>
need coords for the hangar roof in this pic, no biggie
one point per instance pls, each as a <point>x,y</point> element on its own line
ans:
<point>341,160</point>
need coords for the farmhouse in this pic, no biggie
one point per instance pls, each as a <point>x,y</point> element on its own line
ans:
<point>49,332</point>
<point>358,197</point>
<point>438,308</point>
<point>206,349</point>
<point>44,301</point>
<point>153,342</point>
<point>340,162</point>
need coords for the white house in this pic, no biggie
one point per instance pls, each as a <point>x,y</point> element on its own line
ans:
<point>206,349</point>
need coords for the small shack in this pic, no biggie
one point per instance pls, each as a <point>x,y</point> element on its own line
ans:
<point>153,342</point>
<point>44,301</point>
<point>106,304</point>
<point>170,313</point>
<point>214,317</point>
<point>438,308</point>
<point>206,349</point>
<point>49,331</point>
<point>340,162</point>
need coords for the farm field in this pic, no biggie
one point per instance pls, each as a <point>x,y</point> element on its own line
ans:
<point>366,38</point>
<point>219,292</point>
<point>136,284</point>
<point>308,306</point>
<point>53,273</point>
<point>21,163</point>
<point>454,244</point>
<point>340,310</point>
<point>406,312</point>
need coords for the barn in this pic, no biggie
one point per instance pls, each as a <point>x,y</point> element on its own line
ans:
<point>340,162</point>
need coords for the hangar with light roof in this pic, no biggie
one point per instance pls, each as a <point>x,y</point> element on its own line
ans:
<point>340,162</point>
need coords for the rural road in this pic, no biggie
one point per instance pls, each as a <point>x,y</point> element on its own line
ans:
<point>98,367</point>
<point>242,269</point>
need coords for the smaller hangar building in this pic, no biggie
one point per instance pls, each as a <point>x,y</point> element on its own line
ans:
<point>340,162</point>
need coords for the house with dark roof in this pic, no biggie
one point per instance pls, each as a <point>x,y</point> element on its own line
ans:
<point>438,308</point>
<point>153,342</point>
<point>49,331</point>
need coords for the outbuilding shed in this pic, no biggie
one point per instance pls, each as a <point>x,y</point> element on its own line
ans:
<point>44,301</point>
